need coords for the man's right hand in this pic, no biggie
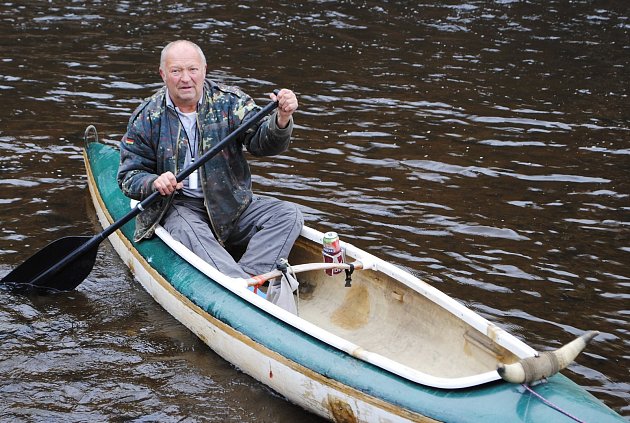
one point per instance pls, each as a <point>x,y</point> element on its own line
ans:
<point>166,183</point>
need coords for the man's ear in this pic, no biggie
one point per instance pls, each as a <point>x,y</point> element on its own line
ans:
<point>162,74</point>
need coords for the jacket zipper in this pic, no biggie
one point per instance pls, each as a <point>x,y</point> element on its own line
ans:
<point>151,229</point>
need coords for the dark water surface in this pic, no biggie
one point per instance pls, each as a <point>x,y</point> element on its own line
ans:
<point>485,146</point>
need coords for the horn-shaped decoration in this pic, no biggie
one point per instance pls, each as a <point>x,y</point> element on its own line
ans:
<point>546,364</point>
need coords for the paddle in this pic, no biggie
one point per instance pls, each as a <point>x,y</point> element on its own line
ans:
<point>63,264</point>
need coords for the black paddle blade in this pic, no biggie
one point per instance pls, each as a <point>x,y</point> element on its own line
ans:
<point>66,278</point>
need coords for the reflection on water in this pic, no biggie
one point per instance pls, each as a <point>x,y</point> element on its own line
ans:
<point>483,147</point>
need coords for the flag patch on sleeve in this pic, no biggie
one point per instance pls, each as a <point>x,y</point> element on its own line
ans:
<point>129,140</point>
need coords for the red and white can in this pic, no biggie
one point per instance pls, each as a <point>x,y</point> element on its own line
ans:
<point>332,251</point>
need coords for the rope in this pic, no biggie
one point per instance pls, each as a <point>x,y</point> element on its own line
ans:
<point>550,404</point>
<point>297,291</point>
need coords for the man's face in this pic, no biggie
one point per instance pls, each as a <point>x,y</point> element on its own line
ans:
<point>183,74</point>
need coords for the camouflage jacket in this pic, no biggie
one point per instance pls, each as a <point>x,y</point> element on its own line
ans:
<point>155,142</point>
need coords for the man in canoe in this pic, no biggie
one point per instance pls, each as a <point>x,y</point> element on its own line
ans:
<point>213,212</point>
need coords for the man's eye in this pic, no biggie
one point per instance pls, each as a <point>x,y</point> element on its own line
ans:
<point>175,71</point>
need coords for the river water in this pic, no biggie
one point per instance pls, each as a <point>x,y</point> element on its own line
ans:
<point>484,146</point>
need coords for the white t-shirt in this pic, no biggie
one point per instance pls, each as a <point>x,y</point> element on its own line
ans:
<point>192,184</point>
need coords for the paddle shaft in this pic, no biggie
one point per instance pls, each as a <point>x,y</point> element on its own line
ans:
<point>97,239</point>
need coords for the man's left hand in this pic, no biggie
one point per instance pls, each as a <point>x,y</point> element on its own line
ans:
<point>287,104</point>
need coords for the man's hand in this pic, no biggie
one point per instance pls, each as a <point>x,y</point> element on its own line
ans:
<point>287,104</point>
<point>166,183</point>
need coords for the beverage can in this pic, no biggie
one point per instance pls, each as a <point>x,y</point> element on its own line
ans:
<point>331,241</point>
<point>332,251</point>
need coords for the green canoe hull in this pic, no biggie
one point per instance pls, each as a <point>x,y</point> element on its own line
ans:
<point>329,382</point>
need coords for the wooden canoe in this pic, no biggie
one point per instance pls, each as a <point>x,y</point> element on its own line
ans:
<point>388,348</point>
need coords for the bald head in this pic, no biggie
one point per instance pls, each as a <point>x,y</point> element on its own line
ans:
<point>180,44</point>
<point>183,69</point>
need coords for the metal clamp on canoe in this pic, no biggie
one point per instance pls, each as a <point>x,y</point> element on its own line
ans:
<point>349,271</point>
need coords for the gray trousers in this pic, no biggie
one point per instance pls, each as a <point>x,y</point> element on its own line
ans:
<point>264,233</point>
